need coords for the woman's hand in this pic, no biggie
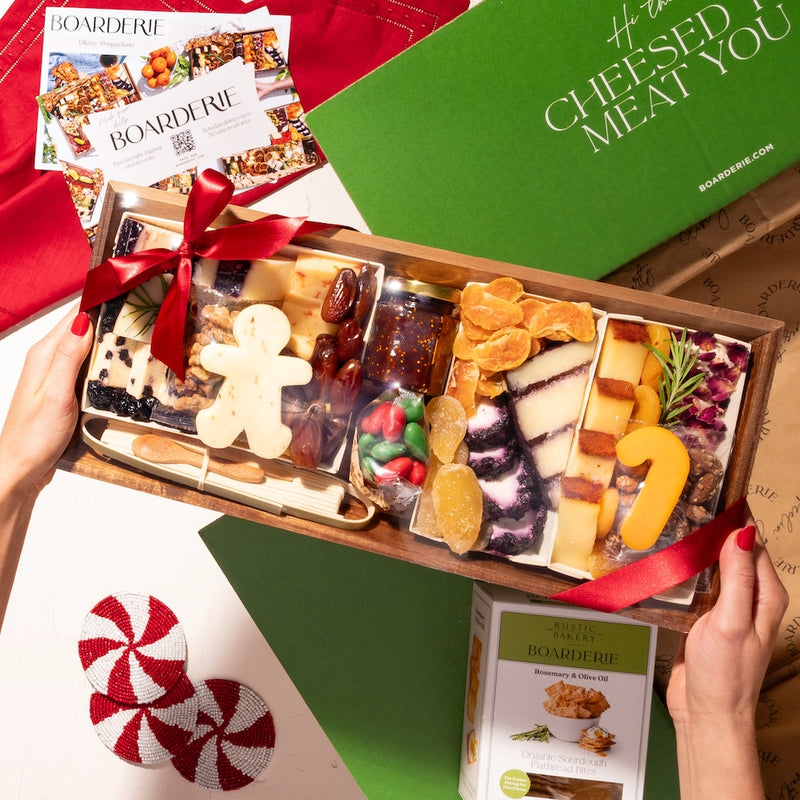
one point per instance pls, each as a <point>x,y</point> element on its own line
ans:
<point>716,680</point>
<point>44,409</point>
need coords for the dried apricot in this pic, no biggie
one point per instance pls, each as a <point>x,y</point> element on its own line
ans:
<point>458,503</point>
<point>508,288</point>
<point>609,502</point>
<point>487,310</point>
<point>646,405</point>
<point>448,424</point>
<point>463,384</point>
<point>659,336</point>
<point>651,372</point>
<point>505,349</point>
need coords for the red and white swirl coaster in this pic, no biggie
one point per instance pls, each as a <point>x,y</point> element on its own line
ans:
<point>234,738</point>
<point>147,734</point>
<point>132,648</point>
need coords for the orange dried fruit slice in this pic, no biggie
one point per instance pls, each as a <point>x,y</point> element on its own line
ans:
<point>464,383</point>
<point>448,424</point>
<point>529,306</point>
<point>505,349</point>
<point>506,287</point>
<point>463,345</point>
<point>458,503</point>
<point>474,332</point>
<point>491,384</point>
<point>562,320</point>
<point>487,310</point>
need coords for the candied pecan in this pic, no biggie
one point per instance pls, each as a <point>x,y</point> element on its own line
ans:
<point>703,461</point>
<point>704,490</point>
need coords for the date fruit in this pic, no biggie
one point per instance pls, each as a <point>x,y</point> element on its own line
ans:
<point>340,297</point>
<point>324,366</point>
<point>349,340</point>
<point>366,289</point>
<point>345,387</point>
<point>306,445</point>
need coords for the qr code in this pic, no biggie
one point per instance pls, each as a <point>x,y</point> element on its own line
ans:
<point>183,142</point>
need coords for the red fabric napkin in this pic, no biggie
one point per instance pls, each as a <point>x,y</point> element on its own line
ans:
<point>44,253</point>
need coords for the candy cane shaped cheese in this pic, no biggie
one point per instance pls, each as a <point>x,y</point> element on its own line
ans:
<point>254,373</point>
<point>666,477</point>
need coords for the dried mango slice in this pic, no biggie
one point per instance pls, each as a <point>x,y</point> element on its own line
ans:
<point>448,424</point>
<point>508,288</point>
<point>458,503</point>
<point>487,310</point>
<point>463,384</point>
<point>505,349</point>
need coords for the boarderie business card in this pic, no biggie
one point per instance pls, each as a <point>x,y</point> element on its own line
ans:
<point>198,121</point>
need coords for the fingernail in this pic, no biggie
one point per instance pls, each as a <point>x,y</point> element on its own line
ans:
<point>746,538</point>
<point>80,324</point>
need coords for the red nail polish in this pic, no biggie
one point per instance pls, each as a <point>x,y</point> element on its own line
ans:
<point>746,538</point>
<point>80,324</point>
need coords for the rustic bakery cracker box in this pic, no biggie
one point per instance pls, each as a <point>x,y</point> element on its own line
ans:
<point>557,701</point>
<point>338,496</point>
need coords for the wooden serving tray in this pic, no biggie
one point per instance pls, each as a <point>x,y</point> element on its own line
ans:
<point>388,535</point>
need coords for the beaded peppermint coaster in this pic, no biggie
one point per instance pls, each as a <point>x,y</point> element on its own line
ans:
<point>234,738</point>
<point>151,733</point>
<point>132,648</point>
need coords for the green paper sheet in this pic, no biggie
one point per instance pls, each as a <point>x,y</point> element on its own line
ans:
<point>566,135</point>
<point>378,648</point>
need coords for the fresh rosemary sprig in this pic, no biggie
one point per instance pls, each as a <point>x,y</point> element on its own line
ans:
<point>678,380</point>
<point>541,733</point>
<point>144,307</point>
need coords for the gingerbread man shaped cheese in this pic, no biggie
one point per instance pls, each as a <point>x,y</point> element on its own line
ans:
<point>254,373</point>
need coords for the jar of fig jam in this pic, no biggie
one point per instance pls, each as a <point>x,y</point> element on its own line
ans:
<point>412,336</point>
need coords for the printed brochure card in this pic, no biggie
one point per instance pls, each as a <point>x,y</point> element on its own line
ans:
<point>558,701</point>
<point>169,115</point>
<point>79,42</point>
<point>200,121</point>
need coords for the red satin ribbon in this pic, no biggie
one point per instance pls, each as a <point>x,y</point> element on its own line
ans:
<point>659,571</point>
<point>210,194</point>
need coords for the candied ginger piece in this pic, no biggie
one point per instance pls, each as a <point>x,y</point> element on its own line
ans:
<point>448,425</point>
<point>458,504</point>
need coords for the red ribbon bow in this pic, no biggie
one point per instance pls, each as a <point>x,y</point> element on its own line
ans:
<point>260,238</point>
